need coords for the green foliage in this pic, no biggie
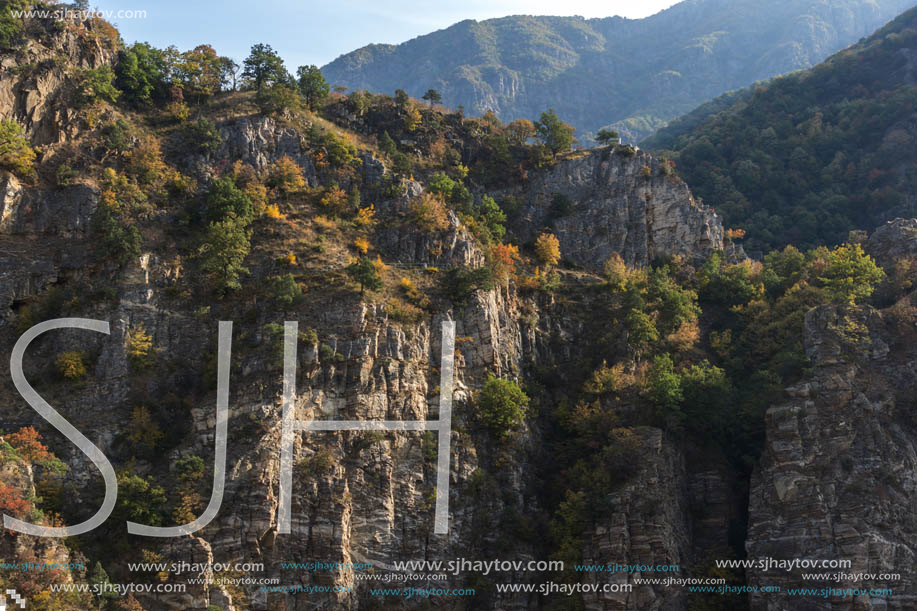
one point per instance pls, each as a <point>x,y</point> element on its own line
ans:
<point>387,145</point>
<point>675,305</point>
<point>96,84</point>
<point>364,272</point>
<point>225,199</point>
<point>666,392</point>
<point>460,283</point>
<point>113,239</point>
<point>432,96</point>
<point>606,137</point>
<point>726,284</point>
<point>10,27</point>
<point>139,500</point>
<point>812,155</point>
<point>15,153</point>
<point>554,133</point>
<point>263,67</point>
<point>141,74</point>
<point>501,405</point>
<point>641,330</point>
<point>277,99</point>
<point>203,137</point>
<point>117,136</point>
<point>285,289</point>
<point>313,86</point>
<point>850,275</point>
<point>225,246</point>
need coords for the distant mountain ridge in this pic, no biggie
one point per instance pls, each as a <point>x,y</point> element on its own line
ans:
<point>810,156</point>
<point>633,74</point>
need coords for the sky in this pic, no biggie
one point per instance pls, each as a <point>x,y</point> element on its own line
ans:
<point>316,32</point>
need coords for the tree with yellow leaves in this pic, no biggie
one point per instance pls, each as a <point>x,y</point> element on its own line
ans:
<point>547,249</point>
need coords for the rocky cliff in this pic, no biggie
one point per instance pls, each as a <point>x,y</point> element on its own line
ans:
<point>837,478</point>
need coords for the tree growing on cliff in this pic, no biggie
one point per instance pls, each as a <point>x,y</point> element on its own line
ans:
<point>15,153</point>
<point>547,249</point>
<point>606,137</point>
<point>554,133</point>
<point>501,405</point>
<point>263,67</point>
<point>312,85</point>
<point>365,272</point>
<point>226,244</point>
<point>849,274</point>
<point>433,97</point>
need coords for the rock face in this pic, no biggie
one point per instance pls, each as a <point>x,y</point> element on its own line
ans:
<point>605,202</point>
<point>36,88</point>
<point>893,240</point>
<point>838,477</point>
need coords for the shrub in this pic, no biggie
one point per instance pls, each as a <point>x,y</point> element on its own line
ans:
<point>429,213</point>
<point>501,405</point>
<point>203,136</point>
<point>285,175</point>
<point>71,365</point>
<point>278,99</point>
<point>117,137</point>
<point>15,153</point>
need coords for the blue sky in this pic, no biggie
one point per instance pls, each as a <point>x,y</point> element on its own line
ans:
<point>314,32</point>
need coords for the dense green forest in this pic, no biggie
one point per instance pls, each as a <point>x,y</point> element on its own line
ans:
<point>812,155</point>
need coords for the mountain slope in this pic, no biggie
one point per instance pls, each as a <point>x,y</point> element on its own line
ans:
<point>636,74</point>
<point>813,155</point>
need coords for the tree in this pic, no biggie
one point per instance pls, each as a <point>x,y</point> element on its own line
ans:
<point>27,441</point>
<point>312,85</point>
<point>364,271</point>
<point>10,26</point>
<point>433,97</point>
<point>96,84</point>
<point>15,153</point>
<point>263,67</point>
<point>554,133</point>
<point>199,72</point>
<point>226,244</point>
<point>401,97</point>
<point>277,99</point>
<point>229,70</point>
<point>520,131</point>
<point>141,74</point>
<point>71,365</point>
<point>501,405</point>
<point>387,145</point>
<point>849,274</point>
<point>547,249</point>
<point>665,390</point>
<point>225,198</point>
<point>606,136</point>
<point>114,240</point>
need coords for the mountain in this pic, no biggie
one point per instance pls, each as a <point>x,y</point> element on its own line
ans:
<point>627,387</point>
<point>812,155</point>
<point>633,74</point>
